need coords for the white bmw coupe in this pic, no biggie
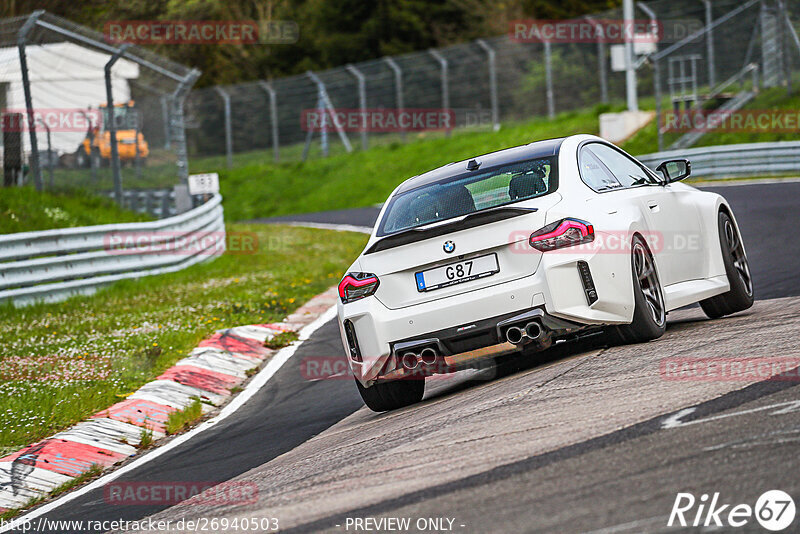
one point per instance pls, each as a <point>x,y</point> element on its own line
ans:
<point>518,249</point>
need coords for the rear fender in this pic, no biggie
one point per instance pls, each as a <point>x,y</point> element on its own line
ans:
<point>609,260</point>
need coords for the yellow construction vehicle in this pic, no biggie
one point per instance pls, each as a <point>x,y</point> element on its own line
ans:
<point>95,149</point>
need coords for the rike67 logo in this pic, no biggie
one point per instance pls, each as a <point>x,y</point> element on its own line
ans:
<point>774,510</point>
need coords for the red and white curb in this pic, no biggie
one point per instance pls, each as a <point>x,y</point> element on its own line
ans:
<point>219,364</point>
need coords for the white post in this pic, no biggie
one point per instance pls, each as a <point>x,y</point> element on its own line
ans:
<point>492,83</point>
<point>362,102</point>
<point>445,81</point>
<point>712,77</point>
<point>548,72</point>
<point>630,67</point>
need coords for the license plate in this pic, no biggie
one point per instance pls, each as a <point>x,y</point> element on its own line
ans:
<point>457,273</point>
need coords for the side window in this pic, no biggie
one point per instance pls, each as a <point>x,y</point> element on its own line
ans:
<point>595,174</point>
<point>627,171</point>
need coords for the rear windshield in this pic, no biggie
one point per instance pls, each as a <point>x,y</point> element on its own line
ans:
<point>470,193</point>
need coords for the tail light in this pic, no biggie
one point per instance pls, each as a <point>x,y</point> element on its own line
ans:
<point>355,286</point>
<point>564,233</point>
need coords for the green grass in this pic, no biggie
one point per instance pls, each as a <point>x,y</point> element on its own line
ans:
<point>22,209</point>
<point>281,340</point>
<point>62,362</point>
<point>646,140</point>
<point>257,187</point>
<point>181,419</point>
<point>145,439</point>
<point>260,188</point>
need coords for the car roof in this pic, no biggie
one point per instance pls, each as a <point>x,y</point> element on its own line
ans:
<point>537,149</point>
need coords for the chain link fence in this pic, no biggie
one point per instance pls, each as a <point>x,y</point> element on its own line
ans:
<point>709,53</point>
<point>58,81</point>
<point>703,46</point>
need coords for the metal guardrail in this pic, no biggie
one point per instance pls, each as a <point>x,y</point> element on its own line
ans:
<point>752,159</point>
<point>53,265</point>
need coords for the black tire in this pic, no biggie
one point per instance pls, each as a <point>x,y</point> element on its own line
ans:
<point>385,396</point>
<point>740,295</point>
<point>649,314</point>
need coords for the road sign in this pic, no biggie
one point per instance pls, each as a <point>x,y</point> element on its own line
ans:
<point>204,184</point>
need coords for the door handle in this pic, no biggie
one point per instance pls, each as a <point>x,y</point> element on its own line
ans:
<point>653,206</point>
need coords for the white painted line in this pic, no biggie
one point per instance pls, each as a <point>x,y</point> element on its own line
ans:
<point>754,181</point>
<point>674,421</point>
<point>329,226</point>
<point>272,367</point>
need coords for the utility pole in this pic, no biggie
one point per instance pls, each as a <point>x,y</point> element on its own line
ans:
<point>630,67</point>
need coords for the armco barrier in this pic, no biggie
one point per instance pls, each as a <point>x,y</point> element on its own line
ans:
<point>752,159</point>
<point>55,264</point>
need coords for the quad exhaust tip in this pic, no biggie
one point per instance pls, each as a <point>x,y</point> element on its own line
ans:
<point>533,330</point>
<point>410,361</point>
<point>428,356</point>
<point>516,335</point>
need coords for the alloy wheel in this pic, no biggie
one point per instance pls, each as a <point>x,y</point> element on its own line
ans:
<point>648,281</point>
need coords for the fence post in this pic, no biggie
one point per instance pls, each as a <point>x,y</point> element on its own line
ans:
<point>712,77</point>
<point>22,38</point>
<point>138,160</point>
<point>784,44</point>
<point>601,62</point>
<point>177,126</point>
<point>398,86</point>
<point>226,100</point>
<point>49,155</point>
<point>112,124</point>
<point>165,204</point>
<point>548,71</point>
<point>326,101</point>
<point>492,82</point>
<point>273,117</point>
<point>445,82</point>
<point>362,102</point>
<point>792,31</point>
<point>165,120</point>
<point>657,92</point>
<point>630,67</point>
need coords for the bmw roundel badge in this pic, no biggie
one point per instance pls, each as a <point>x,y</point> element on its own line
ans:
<point>449,246</point>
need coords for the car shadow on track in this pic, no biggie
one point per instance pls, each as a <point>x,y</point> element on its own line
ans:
<point>504,366</point>
<point>526,361</point>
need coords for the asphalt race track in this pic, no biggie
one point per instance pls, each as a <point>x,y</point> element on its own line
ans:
<point>585,439</point>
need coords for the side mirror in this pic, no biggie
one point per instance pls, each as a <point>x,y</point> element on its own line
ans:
<point>675,170</point>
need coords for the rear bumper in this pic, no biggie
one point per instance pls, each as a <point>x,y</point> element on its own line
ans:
<point>465,325</point>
